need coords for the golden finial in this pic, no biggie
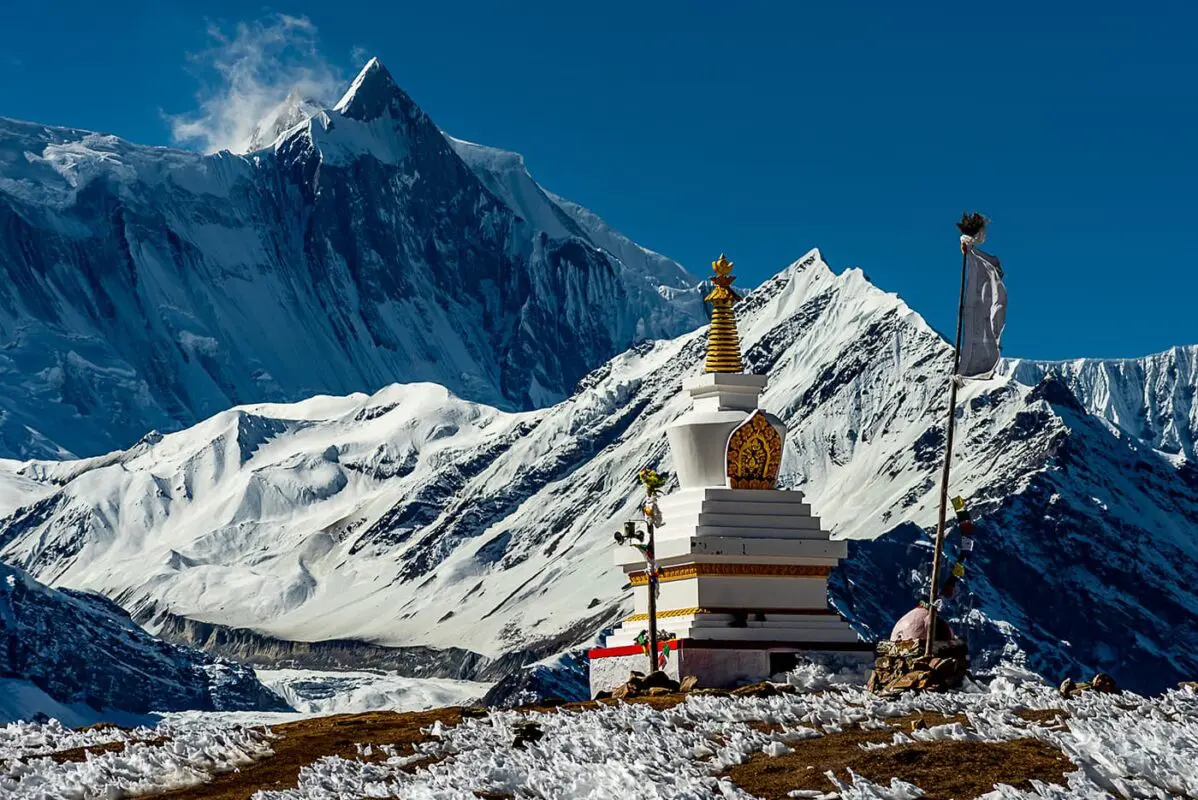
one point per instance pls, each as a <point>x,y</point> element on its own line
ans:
<point>723,343</point>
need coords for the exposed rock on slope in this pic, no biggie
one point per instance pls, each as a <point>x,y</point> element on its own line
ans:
<point>416,518</point>
<point>82,649</point>
<point>1152,398</point>
<point>147,288</point>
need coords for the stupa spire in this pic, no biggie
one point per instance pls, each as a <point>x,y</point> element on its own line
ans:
<point>723,342</point>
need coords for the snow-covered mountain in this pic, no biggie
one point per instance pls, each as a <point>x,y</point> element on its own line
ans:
<point>146,288</point>
<point>79,650</point>
<point>1152,398</point>
<point>294,110</point>
<point>414,518</point>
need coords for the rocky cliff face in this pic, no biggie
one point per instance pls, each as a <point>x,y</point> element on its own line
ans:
<point>81,648</point>
<point>1151,398</point>
<point>146,288</point>
<point>414,517</point>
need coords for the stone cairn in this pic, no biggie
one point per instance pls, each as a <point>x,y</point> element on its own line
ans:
<point>901,666</point>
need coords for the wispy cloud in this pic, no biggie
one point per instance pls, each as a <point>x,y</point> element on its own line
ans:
<point>246,73</point>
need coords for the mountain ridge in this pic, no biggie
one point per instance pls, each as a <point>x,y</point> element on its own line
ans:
<point>1151,397</point>
<point>83,651</point>
<point>413,517</point>
<point>148,288</point>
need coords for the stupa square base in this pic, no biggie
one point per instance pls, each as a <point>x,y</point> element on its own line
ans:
<point>721,664</point>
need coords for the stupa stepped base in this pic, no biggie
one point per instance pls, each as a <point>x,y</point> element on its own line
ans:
<point>715,511</point>
<point>724,664</point>
<point>707,626</point>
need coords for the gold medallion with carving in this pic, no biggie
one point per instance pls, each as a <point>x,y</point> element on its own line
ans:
<point>754,454</point>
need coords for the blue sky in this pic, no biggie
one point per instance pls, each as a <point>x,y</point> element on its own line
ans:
<point>760,130</point>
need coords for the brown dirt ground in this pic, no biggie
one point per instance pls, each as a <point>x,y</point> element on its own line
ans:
<point>80,753</point>
<point>935,767</point>
<point>1049,717</point>
<point>308,740</point>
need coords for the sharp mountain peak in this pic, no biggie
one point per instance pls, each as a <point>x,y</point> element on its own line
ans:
<point>371,94</point>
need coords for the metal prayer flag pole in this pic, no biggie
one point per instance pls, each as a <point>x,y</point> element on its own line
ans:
<point>987,318</point>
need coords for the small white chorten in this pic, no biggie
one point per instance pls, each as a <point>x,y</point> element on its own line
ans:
<point>743,566</point>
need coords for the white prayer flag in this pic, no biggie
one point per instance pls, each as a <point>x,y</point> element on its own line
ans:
<point>983,316</point>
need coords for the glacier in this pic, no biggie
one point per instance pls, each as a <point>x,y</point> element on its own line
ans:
<point>144,289</point>
<point>476,539</point>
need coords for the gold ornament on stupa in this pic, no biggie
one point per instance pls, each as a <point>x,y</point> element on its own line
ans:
<point>723,343</point>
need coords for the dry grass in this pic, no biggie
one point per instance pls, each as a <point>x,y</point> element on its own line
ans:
<point>308,740</point>
<point>943,769</point>
<point>936,767</point>
<point>78,754</point>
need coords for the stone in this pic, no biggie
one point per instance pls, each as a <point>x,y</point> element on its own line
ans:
<point>688,683</point>
<point>1191,685</point>
<point>915,679</point>
<point>622,691</point>
<point>1102,683</point>
<point>661,680</point>
<point>913,626</point>
<point>657,691</point>
<point>527,733</point>
<point>762,689</point>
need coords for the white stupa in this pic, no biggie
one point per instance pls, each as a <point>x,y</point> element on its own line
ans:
<point>742,565</point>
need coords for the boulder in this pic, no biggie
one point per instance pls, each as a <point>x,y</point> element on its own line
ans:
<point>528,732</point>
<point>913,626</point>
<point>763,689</point>
<point>1101,682</point>
<point>659,680</point>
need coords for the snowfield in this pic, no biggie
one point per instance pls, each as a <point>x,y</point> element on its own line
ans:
<point>1119,745</point>
<point>415,518</point>
<point>316,692</point>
